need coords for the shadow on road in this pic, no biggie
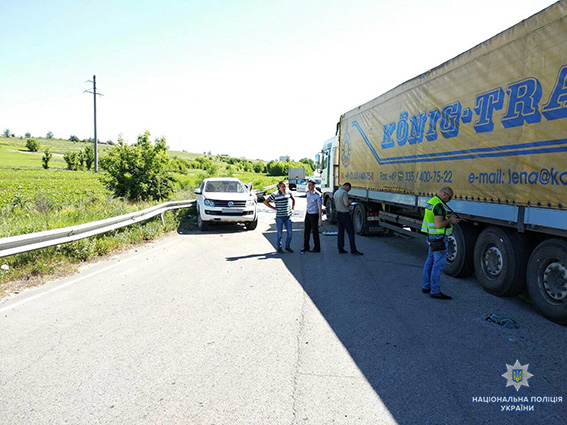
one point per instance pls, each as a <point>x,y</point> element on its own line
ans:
<point>426,359</point>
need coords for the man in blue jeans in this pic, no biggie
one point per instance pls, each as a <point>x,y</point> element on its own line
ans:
<point>284,205</point>
<point>438,225</point>
<point>342,206</point>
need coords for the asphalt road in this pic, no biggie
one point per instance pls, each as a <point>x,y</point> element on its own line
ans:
<point>216,328</point>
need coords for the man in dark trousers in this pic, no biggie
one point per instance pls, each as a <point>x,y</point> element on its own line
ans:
<point>342,206</point>
<point>438,225</point>
<point>312,218</point>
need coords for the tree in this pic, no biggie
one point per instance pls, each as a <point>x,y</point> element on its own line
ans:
<point>27,135</point>
<point>32,145</point>
<point>139,172</point>
<point>7,133</point>
<point>47,155</point>
<point>309,162</point>
<point>278,168</point>
<point>49,135</point>
<point>74,139</point>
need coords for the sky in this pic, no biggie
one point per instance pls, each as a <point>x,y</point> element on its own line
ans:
<point>247,78</point>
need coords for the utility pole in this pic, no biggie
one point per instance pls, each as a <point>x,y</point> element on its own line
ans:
<point>95,94</point>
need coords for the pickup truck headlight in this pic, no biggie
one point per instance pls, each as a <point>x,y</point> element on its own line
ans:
<point>250,203</point>
<point>209,203</point>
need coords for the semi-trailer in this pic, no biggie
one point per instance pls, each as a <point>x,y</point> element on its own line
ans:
<point>490,123</point>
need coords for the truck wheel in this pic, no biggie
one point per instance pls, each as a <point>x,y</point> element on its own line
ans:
<point>203,225</point>
<point>547,279</point>
<point>359,219</point>
<point>330,211</point>
<point>460,255</point>
<point>500,258</point>
<point>251,225</point>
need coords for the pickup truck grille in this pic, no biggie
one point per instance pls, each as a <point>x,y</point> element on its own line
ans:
<point>224,204</point>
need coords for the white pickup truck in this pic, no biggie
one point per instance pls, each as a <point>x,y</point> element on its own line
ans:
<point>225,199</point>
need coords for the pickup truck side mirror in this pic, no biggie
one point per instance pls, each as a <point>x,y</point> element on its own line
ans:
<point>250,187</point>
<point>197,191</point>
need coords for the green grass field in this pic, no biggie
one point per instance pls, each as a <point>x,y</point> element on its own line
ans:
<point>14,154</point>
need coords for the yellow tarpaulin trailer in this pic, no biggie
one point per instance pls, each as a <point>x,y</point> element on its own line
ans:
<point>491,123</point>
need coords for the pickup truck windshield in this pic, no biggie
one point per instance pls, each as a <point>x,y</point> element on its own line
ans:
<point>225,186</point>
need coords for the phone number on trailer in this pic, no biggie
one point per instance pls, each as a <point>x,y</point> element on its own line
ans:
<point>437,176</point>
<point>358,175</point>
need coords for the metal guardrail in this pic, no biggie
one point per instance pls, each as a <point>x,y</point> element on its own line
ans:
<point>23,243</point>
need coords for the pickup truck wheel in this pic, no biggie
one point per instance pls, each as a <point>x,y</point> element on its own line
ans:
<point>500,258</point>
<point>203,225</point>
<point>330,211</point>
<point>460,254</point>
<point>359,219</point>
<point>251,225</point>
<point>547,279</point>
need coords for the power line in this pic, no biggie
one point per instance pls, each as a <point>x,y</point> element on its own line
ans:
<point>95,94</point>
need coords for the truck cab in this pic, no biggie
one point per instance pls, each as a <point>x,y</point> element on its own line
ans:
<point>328,166</point>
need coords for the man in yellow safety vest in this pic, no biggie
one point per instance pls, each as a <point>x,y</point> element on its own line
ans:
<point>438,225</point>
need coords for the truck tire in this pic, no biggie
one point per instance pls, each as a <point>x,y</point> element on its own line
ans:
<point>547,279</point>
<point>500,258</point>
<point>460,255</point>
<point>203,225</point>
<point>251,225</point>
<point>330,210</point>
<point>359,219</point>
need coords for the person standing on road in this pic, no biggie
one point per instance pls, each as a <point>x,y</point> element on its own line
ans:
<point>438,225</point>
<point>342,205</point>
<point>284,205</point>
<point>312,218</point>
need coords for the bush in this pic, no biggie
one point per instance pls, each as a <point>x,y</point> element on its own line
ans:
<point>259,167</point>
<point>32,145</point>
<point>211,169</point>
<point>73,161</point>
<point>47,155</point>
<point>80,250</point>
<point>88,156</point>
<point>139,172</point>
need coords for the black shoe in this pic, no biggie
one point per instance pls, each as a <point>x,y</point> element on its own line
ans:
<point>342,251</point>
<point>441,296</point>
<point>304,250</point>
<point>357,253</point>
<point>280,251</point>
<point>426,290</point>
<point>288,249</point>
<point>315,250</point>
